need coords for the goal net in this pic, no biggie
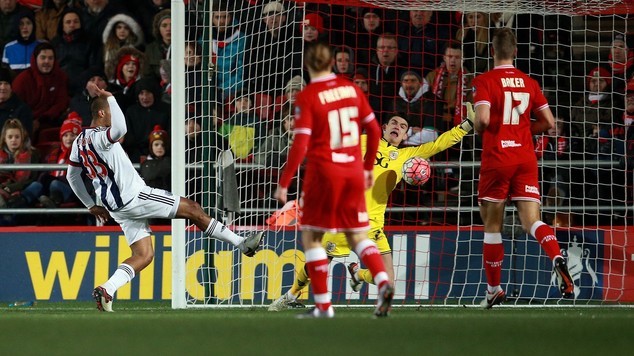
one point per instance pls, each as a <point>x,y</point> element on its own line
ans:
<point>243,66</point>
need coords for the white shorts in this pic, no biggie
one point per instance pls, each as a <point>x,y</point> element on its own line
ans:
<point>151,203</point>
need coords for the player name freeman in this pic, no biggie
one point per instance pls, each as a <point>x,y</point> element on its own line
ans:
<point>335,94</point>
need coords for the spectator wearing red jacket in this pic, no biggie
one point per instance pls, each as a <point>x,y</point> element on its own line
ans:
<point>44,88</point>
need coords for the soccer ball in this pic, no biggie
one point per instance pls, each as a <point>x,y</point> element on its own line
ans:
<point>416,171</point>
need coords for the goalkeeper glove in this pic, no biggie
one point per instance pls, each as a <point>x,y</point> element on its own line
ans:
<point>467,123</point>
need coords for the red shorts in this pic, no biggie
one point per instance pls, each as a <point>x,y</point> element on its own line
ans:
<point>518,182</point>
<point>334,203</point>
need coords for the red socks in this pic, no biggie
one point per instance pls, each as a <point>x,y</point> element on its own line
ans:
<point>317,266</point>
<point>371,258</point>
<point>545,235</point>
<point>493,255</point>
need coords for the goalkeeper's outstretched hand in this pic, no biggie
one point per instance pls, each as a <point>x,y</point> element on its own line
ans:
<point>467,123</point>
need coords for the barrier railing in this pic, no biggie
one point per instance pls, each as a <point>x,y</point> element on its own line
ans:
<point>252,166</point>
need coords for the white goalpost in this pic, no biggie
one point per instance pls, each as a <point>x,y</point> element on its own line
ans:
<point>235,67</point>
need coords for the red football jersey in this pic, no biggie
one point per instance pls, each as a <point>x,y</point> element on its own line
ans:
<point>334,142</point>
<point>330,114</point>
<point>512,96</point>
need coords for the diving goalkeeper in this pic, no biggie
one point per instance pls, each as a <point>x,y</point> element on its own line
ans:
<point>387,173</point>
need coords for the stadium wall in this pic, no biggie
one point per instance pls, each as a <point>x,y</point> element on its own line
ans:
<point>65,263</point>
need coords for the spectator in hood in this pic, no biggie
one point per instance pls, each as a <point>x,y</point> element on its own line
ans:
<point>44,88</point>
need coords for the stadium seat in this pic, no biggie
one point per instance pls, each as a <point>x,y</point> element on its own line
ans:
<point>48,135</point>
<point>263,105</point>
<point>46,148</point>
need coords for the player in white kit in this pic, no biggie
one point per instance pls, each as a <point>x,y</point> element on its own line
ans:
<point>122,194</point>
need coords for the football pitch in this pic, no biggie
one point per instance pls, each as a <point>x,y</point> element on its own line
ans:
<point>151,328</point>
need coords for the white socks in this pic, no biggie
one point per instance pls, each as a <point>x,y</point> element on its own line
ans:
<point>218,230</point>
<point>121,276</point>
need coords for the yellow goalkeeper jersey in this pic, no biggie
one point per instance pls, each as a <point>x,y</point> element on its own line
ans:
<point>388,169</point>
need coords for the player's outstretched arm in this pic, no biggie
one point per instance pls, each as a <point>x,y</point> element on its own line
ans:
<point>467,122</point>
<point>118,127</point>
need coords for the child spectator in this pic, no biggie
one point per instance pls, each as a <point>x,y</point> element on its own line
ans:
<point>160,47</point>
<point>292,88</point>
<point>16,149</point>
<point>55,188</point>
<point>142,117</point>
<point>312,27</point>
<point>360,78</point>
<point>17,53</point>
<point>344,62</point>
<point>131,63</point>
<point>7,10</point>
<point>157,169</point>
<point>121,31</point>
<point>274,149</point>
<point>243,130</point>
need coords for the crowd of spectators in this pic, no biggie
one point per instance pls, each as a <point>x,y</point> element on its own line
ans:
<point>420,63</point>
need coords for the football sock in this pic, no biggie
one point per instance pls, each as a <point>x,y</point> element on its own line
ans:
<point>365,275</point>
<point>493,255</point>
<point>371,257</point>
<point>301,281</point>
<point>317,266</point>
<point>219,231</point>
<point>545,235</point>
<point>119,278</point>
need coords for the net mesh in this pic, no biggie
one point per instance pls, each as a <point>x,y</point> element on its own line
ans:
<point>435,230</point>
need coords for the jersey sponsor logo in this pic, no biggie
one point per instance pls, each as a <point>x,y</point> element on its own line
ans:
<point>494,264</point>
<point>342,158</point>
<point>363,216</point>
<point>330,246</point>
<point>512,82</point>
<point>531,189</point>
<point>510,143</point>
<point>380,161</point>
<point>336,94</point>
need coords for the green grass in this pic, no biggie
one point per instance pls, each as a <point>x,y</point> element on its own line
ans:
<point>149,328</point>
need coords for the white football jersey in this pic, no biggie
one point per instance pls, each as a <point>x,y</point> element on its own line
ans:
<point>113,176</point>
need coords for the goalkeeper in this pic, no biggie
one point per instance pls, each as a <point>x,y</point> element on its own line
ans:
<point>388,168</point>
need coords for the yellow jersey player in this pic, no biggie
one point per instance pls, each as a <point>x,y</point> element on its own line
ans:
<point>387,173</point>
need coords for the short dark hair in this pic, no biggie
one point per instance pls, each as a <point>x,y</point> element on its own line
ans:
<point>42,46</point>
<point>400,114</point>
<point>453,44</point>
<point>96,104</point>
